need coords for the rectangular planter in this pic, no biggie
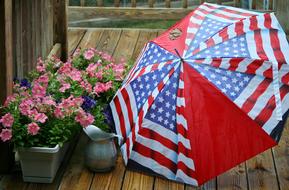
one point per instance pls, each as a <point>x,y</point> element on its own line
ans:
<point>40,164</point>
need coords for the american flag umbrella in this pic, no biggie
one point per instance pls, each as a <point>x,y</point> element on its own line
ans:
<point>206,95</point>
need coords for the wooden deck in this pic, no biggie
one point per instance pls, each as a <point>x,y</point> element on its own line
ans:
<point>269,170</point>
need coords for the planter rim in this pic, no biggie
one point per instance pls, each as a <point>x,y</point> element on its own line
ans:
<point>40,149</point>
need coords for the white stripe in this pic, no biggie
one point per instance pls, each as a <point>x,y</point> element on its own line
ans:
<point>217,39</point>
<point>249,90</point>
<point>284,45</point>
<point>242,67</point>
<point>181,176</point>
<point>283,71</point>
<point>225,64</point>
<point>221,19</point>
<point>272,121</point>
<point>148,69</point>
<point>195,20</point>
<point>184,141</point>
<point>261,102</point>
<point>166,133</point>
<point>125,113</point>
<point>192,30</point>
<point>161,65</point>
<point>152,164</point>
<point>260,21</point>
<point>187,161</point>
<point>158,147</point>
<point>180,102</point>
<point>116,120</point>
<point>199,13</point>
<point>181,120</point>
<point>251,45</point>
<point>231,31</point>
<point>181,84</point>
<point>267,45</point>
<point>264,67</point>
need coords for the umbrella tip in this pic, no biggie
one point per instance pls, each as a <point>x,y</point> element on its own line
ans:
<point>179,55</point>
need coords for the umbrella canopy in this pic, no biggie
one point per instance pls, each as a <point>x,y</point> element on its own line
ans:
<point>206,95</point>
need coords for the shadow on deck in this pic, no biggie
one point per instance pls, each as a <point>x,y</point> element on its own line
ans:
<point>269,170</point>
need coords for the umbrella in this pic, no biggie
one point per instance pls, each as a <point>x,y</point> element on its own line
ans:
<point>206,95</point>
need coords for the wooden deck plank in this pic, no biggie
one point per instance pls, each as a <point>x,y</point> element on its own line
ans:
<point>126,44</point>
<point>74,37</point>
<point>261,172</point>
<point>233,179</point>
<point>76,175</point>
<point>91,38</point>
<point>109,40</point>
<point>281,158</point>
<point>161,184</point>
<point>111,180</point>
<point>144,37</point>
<point>210,185</point>
<point>135,180</point>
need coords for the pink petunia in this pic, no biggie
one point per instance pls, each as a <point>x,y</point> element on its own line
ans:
<point>40,67</point>
<point>9,99</point>
<point>7,120</point>
<point>40,117</point>
<point>88,54</point>
<point>65,69</point>
<point>25,106</point>
<point>58,112</point>
<point>84,118</point>
<point>48,100</point>
<point>75,75</point>
<point>33,128</point>
<point>86,85</point>
<point>6,134</point>
<point>64,87</point>
<point>38,90</point>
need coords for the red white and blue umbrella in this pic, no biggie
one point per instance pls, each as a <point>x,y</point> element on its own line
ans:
<point>206,95</point>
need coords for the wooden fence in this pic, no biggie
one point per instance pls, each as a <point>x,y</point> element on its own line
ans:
<point>147,10</point>
<point>29,29</point>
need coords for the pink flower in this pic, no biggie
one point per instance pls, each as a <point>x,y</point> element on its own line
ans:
<point>43,79</point>
<point>102,87</point>
<point>40,67</point>
<point>75,75</point>
<point>48,101</point>
<point>7,120</point>
<point>40,117</point>
<point>84,118</point>
<point>65,69</point>
<point>25,106</point>
<point>6,134</point>
<point>86,85</point>
<point>38,91</point>
<point>64,87</point>
<point>58,112</point>
<point>118,71</point>
<point>33,128</point>
<point>9,99</point>
<point>88,54</point>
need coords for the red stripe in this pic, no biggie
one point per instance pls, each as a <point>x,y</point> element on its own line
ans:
<point>253,66</point>
<point>234,63</point>
<point>236,12</point>
<point>218,14</point>
<point>266,113</point>
<point>224,34</point>
<point>250,102</point>
<point>216,62</point>
<point>158,157</point>
<point>267,20</point>
<point>186,170</point>
<point>199,17</point>
<point>120,116</point>
<point>148,133</point>
<point>275,43</point>
<point>285,79</point>
<point>239,28</point>
<point>259,45</point>
<point>127,101</point>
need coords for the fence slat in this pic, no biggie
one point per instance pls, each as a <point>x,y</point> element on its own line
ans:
<point>237,3</point>
<point>151,3</point>
<point>82,3</point>
<point>185,3</point>
<point>168,3</point>
<point>116,3</point>
<point>219,2</point>
<point>202,1</point>
<point>99,3</point>
<point>133,3</point>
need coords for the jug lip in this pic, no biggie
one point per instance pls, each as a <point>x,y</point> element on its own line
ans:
<point>91,130</point>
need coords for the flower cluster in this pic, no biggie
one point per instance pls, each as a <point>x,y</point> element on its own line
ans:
<point>59,98</point>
